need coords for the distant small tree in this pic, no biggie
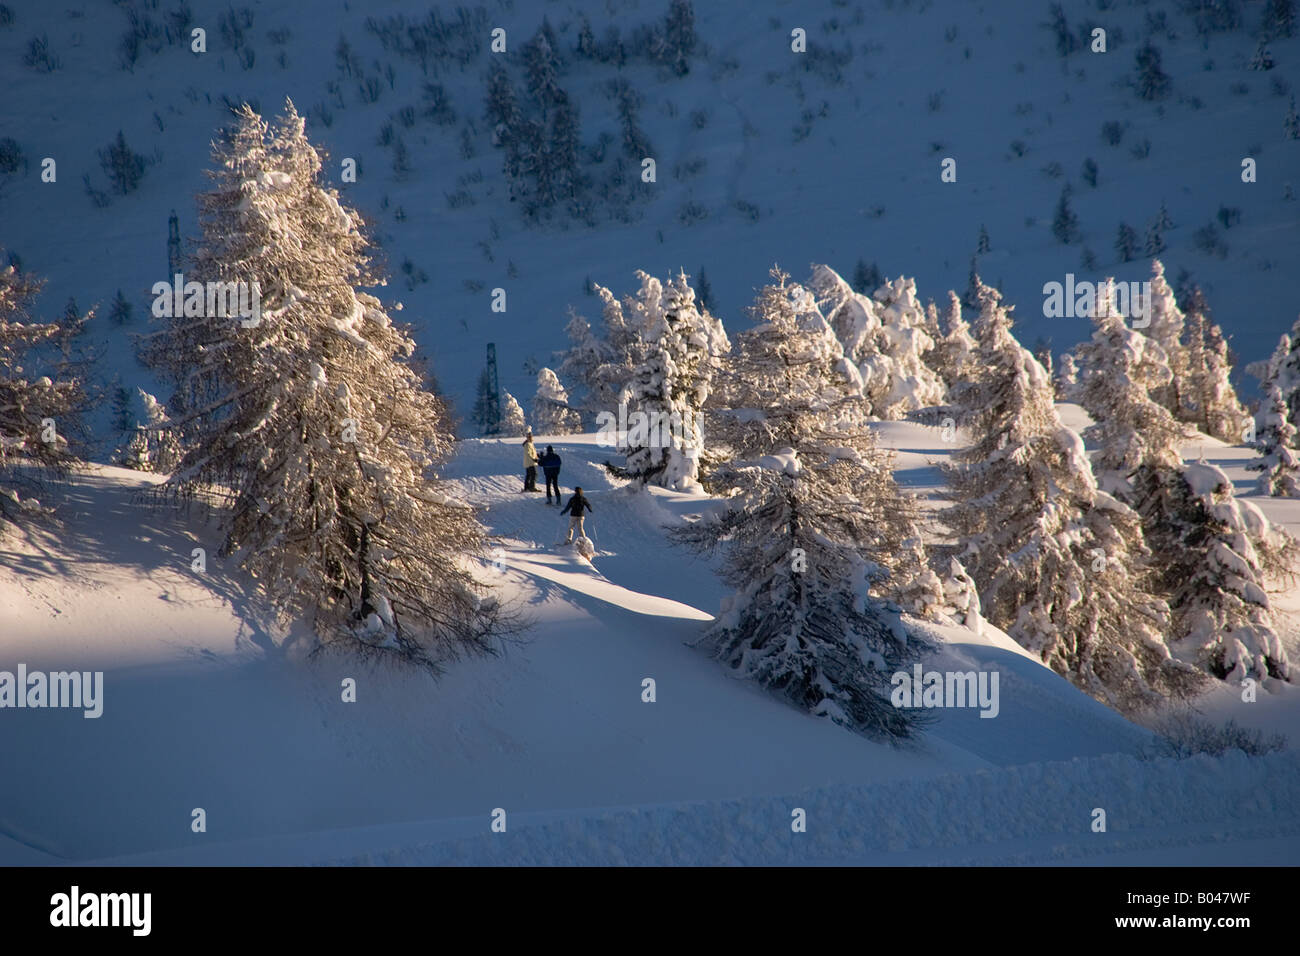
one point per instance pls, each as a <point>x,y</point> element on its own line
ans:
<point>120,311</point>
<point>123,166</point>
<point>1278,20</point>
<point>1152,82</point>
<point>1155,242</point>
<point>704,292</point>
<point>866,278</point>
<point>1065,224</point>
<point>983,245</point>
<point>1090,172</point>
<point>1126,243</point>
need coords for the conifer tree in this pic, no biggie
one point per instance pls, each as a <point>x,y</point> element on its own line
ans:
<point>1126,243</point>
<point>314,424</point>
<point>1208,399</point>
<point>512,417</point>
<point>1058,562</point>
<point>885,337</point>
<point>811,524</point>
<point>552,414</point>
<point>35,409</point>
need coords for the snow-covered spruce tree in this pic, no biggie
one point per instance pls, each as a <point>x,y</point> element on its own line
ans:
<point>1275,436</point>
<point>811,518</point>
<point>1122,369</point>
<point>682,346</point>
<point>1166,328</point>
<point>790,390</point>
<point>951,357</point>
<point>35,410</point>
<point>552,414</point>
<point>153,445</point>
<point>512,417</point>
<point>318,431</point>
<point>1058,562</point>
<point>1065,379</point>
<point>885,337</point>
<point>1215,554</point>
<point>1195,534</point>
<point>1207,398</point>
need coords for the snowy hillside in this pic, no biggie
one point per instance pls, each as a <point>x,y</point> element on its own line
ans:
<point>965,566</point>
<point>205,708</point>
<point>762,155</point>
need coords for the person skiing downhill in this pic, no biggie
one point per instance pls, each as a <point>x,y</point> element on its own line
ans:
<point>574,509</point>
<point>530,464</point>
<point>550,463</point>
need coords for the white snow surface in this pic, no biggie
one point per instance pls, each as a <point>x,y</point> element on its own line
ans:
<point>206,706</point>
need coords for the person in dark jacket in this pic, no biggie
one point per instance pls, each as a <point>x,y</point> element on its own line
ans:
<point>577,504</point>
<point>550,463</point>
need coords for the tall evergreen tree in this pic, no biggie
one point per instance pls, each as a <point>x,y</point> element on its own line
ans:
<point>1215,553</point>
<point>1058,562</point>
<point>671,348</point>
<point>35,410</point>
<point>1208,399</point>
<point>316,424</point>
<point>1275,436</point>
<point>811,526</point>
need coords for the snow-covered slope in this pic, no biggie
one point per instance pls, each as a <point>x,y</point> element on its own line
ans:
<point>206,707</point>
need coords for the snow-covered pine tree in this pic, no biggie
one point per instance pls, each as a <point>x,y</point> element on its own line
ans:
<point>812,520</point>
<point>587,363</point>
<point>885,337</point>
<point>35,410</point>
<point>1059,563</point>
<point>153,445</point>
<point>952,355</point>
<point>1199,535</point>
<point>683,347</point>
<point>1275,436</point>
<point>318,431</point>
<point>512,417</point>
<point>1166,329</point>
<point>1123,368</point>
<point>552,413</point>
<point>1065,379</point>
<point>1215,553</point>
<point>1208,399</point>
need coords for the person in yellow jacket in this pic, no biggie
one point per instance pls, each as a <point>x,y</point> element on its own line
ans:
<point>530,464</point>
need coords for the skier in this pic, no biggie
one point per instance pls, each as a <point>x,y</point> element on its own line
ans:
<point>550,463</point>
<point>530,463</point>
<point>574,508</point>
